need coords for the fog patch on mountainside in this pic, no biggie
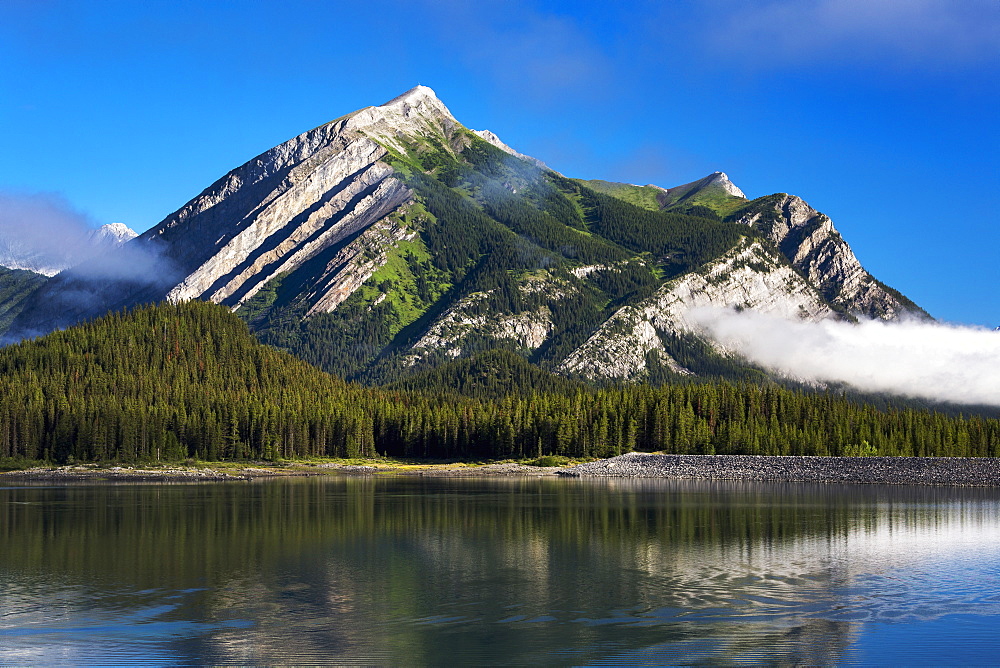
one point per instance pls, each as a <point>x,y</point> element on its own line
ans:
<point>45,234</point>
<point>41,232</point>
<point>92,270</point>
<point>929,360</point>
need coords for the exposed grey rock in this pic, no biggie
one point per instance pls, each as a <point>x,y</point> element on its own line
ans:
<point>750,276</point>
<point>323,199</point>
<point>722,180</point>
<point>814,247</point>
<point>355,264</point>
<point>528,329</point>
<point>965,471</point>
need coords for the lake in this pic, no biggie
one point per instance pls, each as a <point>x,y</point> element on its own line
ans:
<point>509,571</point>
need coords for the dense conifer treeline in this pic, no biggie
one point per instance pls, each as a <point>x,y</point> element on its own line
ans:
<point>169,382</point>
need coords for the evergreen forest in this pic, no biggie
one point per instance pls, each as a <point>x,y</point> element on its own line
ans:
<point>175,382</point>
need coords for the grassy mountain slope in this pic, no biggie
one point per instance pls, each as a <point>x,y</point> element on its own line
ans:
<point>646,197</point>
<point>709,193</point>
<point>706,197</point>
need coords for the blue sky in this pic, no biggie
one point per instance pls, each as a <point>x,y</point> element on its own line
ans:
<point>882,114</point>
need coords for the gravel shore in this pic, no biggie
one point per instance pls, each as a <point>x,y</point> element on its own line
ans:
<point>976,472</point>
<point>205,474</point>
<point>505,469</point>
<point>966,471</point>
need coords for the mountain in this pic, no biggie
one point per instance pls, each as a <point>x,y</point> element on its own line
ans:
<point>394,239</point>
<point>112,234</point>
<point>51,256</point>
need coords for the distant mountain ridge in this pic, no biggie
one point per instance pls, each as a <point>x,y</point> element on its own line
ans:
<point>60,254</point>
<point>394,238</point>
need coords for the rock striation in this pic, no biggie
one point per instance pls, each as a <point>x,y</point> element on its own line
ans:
<point>324,197</point>
<point>321,203</point>
<point>814,247</point>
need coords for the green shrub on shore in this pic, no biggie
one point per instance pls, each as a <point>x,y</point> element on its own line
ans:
<point>18,463</point>
<point>550,460</point>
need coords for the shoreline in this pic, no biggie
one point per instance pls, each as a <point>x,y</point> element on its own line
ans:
<point>951,471</point>
<point>938,471</point>
<point>233,473</point>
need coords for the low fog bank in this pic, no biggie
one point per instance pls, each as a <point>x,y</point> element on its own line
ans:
<point>941,362</point>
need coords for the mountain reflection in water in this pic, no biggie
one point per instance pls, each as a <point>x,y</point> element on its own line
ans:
<point>512,571</point>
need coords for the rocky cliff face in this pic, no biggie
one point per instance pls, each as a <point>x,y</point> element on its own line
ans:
<point>320,202</point>
<point>750,277</point>
<point>810,242</point>
<point>322,197</point>
<point>464,324</point>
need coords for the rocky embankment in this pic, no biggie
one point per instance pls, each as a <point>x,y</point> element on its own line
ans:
<point>451,470</point>
<point>967,471</point>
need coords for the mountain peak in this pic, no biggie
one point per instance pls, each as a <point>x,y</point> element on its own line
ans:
<point>418,101</point>
<point>112,234</point>
<point>413,113</point>
<point>707,191</point>
<point>415,94</point>
<point>722,180</point>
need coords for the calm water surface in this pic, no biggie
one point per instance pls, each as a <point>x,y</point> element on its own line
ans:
<point>514,571</point>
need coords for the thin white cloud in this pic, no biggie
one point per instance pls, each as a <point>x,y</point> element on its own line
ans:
<point>524,51</point>
<point>929,34</point>
<point>952,363</point>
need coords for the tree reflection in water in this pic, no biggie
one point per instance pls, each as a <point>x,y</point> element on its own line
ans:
<point>431,571</point>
